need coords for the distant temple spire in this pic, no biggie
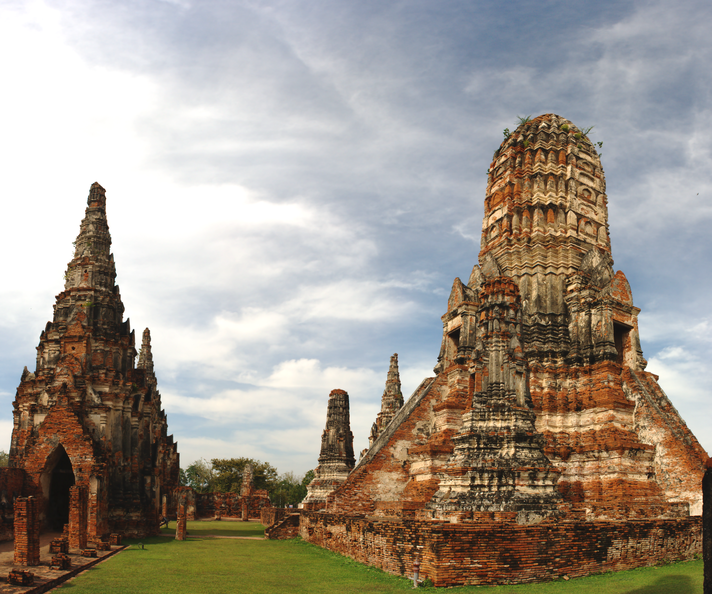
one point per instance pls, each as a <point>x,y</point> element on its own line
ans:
<point>391,401</point>
<point>336,458</point>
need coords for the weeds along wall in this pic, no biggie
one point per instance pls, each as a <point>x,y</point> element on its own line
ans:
<point>488,553</point>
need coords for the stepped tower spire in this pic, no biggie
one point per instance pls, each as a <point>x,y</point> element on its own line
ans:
<point>88,315</point>
<point>391,401</point>
<point>145,357</point>
<point>546,217</point>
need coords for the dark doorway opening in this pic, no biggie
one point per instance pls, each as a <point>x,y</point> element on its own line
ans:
<point>61,479</point>
<point>621,337</point>
<point>454,337</point>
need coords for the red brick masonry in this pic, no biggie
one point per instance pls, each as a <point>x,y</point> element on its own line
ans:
<point>503,553</point>
<point>181,528</point>
<point>27,532</point>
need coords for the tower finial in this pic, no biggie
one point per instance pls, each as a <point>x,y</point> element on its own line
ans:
<point>93,264</point>
<point>145,356</point>
<point>97,196</point>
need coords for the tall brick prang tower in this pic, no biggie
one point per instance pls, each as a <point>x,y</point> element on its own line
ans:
<point>621,446</point>
<point>541,448</point>
<point>88,416</point>
<point>541,405</point>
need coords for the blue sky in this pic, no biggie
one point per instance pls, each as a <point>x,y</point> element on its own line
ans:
<point>292,187</point>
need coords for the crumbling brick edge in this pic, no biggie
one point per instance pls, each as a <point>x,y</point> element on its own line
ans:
<point>60,579</point>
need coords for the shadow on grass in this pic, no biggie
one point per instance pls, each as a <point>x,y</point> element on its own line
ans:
<point>669,584</point>
<point>199,528</point>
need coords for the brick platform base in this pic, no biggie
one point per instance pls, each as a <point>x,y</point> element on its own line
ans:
<point>503,553</point>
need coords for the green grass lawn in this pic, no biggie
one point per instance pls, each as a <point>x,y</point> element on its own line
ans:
<point>215,566</point>
<point>221,528</point>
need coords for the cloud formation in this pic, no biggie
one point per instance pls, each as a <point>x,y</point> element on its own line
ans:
<point>292,186</point>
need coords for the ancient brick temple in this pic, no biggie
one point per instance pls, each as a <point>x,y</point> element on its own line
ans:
<point>541,424</point>
<point>89,416</point>
<point>336,458</point>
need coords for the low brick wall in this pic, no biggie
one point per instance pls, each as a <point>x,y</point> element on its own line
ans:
<point>272,515</point>
<point>503,553</point>
<point>286,528</point>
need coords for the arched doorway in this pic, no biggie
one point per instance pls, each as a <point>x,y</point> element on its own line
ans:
<point>61,478</point>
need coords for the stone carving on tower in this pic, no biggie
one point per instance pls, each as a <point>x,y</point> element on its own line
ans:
<point>498,462</point>
<point>336,459</point>
<point>87,415</point>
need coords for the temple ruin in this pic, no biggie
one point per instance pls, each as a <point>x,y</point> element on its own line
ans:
<point>90,440</point>
<point>541,447</point>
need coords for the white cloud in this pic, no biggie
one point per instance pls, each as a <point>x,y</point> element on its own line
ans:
<point>290,190</point>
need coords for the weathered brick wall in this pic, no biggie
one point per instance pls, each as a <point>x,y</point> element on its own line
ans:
<point>27,531</point>
<point>589,424</point>
<point>679,457</point>
<point>188,497</point>
<point>380,484</point>
<point>499,552</point>
<point>272,515</point>
<point>286,528</point>
<point>78,517</point>
<point>230,505</point>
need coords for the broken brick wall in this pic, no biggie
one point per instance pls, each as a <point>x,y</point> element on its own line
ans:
<point>453,554</point>
<point>679,458</point>
<point>286,528</point>
<point>230,505</point>
<point>186,496</point>
<point>272,515</point>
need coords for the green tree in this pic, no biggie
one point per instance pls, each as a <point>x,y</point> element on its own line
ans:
<point>291,489</point>
<point>229,471</point>
<point>199,475</point>
<point>4,458</point>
